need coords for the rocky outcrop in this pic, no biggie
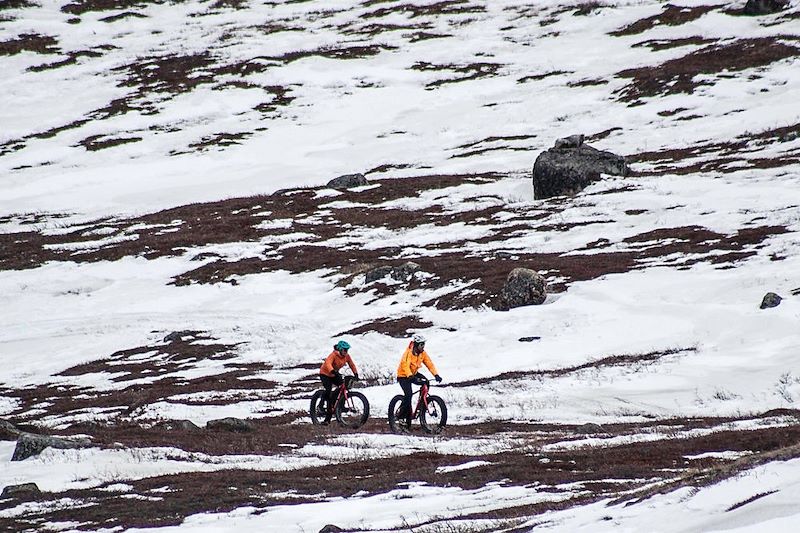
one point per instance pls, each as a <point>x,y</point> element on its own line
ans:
<point>29,445</point>
<point>25,491</point>
<point>764,7</point>
<point>179,335</point>
<point>770,300</point>
<point>330,528</point>
<point>172,425</point>
<point>235,425</point>
<point>589,429</point>
<point>347,181</point>
<point>8,431</point>
<point>571,165</point>
<point>403,272</point>
<point>523,287</point>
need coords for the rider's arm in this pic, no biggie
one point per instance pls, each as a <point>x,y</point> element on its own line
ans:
<point>352,365</point>
<point>426,360</point>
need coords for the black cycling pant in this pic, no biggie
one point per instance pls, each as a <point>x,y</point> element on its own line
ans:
<point>405,384</point>
<point>329,382</point>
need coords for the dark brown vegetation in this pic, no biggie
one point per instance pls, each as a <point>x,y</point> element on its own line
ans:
<point>393,327</point>
<point>665,44</point>
<point>101,142</point>
<point>161,365</point>
<point>679,75</point>
<point>671,16</point>
<point>79,7</point>
<point>470,71</point>
<point>472,271</point>
<point>574,475</point>
<point>611,361</point>
<point>29,42</point>
<point>735,155</point>
<point>443,8</point>
<point>538,77</point>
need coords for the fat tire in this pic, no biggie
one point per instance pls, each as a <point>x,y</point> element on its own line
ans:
<point>430,426</point>
<point>312,409</point>
<point>340,406</point>
<point>394,407</point>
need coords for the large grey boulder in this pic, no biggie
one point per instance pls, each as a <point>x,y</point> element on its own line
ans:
<point>523,287</point>
<point>402,272</point>
<point>236,425</point>
<point>770,300</point>
<point>347,181</point>
<point>571,165</point>
<point>330,528</point>
<point>764,7</point>
<point>29,445</point>
<point>25,491</point>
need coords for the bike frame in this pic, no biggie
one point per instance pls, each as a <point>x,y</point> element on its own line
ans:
<point>422,400</point>
<point>342,396</point>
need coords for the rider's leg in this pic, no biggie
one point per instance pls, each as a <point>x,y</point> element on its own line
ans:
<point>405,384</point>
<point>337,380</point>
<point>327,382</point>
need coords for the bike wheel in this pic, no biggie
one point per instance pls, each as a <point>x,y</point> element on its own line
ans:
<point>434,418</point>
<point>318,407</point>
<point>396,422</point>
<point>354,411</point>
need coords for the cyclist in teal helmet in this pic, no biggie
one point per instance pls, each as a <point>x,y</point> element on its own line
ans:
<point>329,371</point>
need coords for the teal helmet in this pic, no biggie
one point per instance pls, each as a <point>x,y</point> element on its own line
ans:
<point>342,346</point>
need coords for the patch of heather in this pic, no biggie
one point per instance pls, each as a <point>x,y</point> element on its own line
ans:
<point>579,473</point>
<point>158,364</point>
<point>671,16</point>
<point>680,75</point>
<point>665,44</point>
<point>393,327</point>
<point>29,42</point>
<point>446,7</point>
<point>611,361</point>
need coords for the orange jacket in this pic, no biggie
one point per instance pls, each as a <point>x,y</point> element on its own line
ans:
<point>410,363</point>
<point>334,362</point>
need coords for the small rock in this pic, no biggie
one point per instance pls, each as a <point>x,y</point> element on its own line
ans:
<point>764,7</point>
<point>236,425</point>
<point>403,272</point>
<point>573,141</point>
<point>589,428</point>
<point>24,491</point>
<point>29,445</point>
<point>770,300</point>
<point>523,287</point>
<point>378,273</point>
<point>347,181</point>
<point>172,425</point>
<point>178,335</point>
<point>529,339</point>
<point>8,431</point>
<point>330,528</point>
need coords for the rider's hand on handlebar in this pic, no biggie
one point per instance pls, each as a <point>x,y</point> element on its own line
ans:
<point>438,378</point>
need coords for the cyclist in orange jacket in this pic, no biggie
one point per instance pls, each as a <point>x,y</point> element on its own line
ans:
<point>413,358</point>
<point>329,371</point>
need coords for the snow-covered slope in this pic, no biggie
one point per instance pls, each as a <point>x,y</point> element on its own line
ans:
<point>163,170</point>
